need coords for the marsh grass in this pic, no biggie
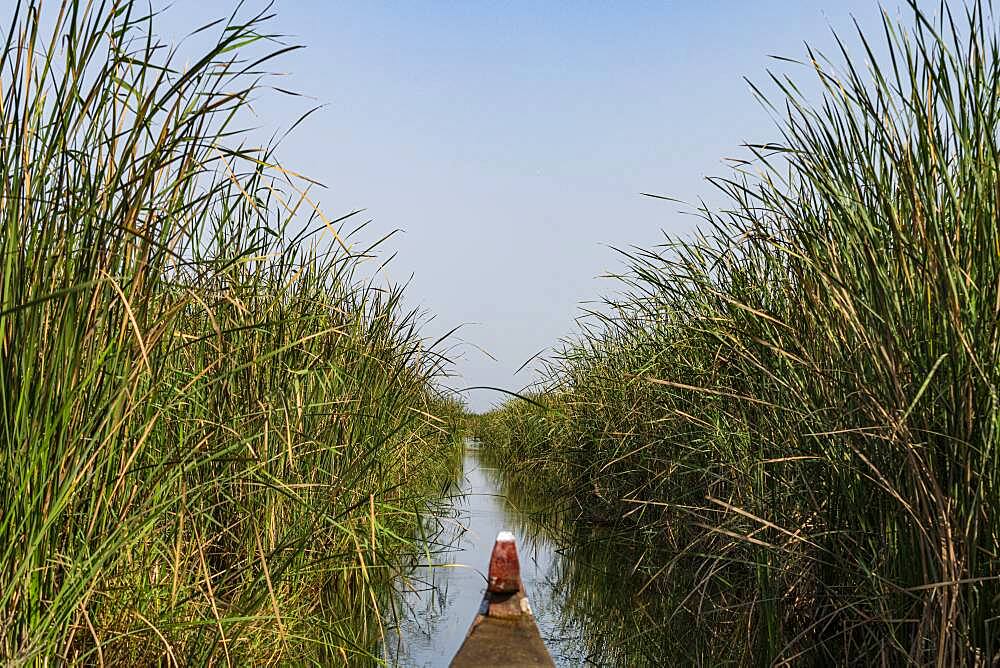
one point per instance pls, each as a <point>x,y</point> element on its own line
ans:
<point>217,432</point>
<point>795,413</point>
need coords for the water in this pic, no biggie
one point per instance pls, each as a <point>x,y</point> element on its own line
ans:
<point>441,602</point>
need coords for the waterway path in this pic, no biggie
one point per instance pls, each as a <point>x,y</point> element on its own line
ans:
<point>440,602</point>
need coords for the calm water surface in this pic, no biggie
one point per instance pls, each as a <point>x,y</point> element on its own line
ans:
<point>441,602</point>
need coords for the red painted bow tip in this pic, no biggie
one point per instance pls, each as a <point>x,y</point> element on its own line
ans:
<point>505,570</point>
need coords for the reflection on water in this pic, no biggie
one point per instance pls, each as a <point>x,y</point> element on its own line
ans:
<point>587,607</point>
<point>441,602</point>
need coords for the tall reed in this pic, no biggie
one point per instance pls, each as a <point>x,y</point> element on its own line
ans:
<point>217,432</point>
<point>797,411</point>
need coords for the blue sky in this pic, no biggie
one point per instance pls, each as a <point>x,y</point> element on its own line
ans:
<point>510,140</point>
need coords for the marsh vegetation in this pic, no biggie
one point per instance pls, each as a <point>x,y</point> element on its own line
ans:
<point>790,420</point>
<point>223,434</point>
<point>218,431</point>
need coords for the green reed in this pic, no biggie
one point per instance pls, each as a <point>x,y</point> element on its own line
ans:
<point>217,432</point>
<point>795,414</point>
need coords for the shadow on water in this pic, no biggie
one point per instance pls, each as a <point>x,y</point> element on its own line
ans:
<point>588,608</point>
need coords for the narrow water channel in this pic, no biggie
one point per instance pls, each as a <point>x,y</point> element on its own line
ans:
<point>440,602</point>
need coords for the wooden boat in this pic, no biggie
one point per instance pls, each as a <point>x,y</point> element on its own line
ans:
<point>504,632</point>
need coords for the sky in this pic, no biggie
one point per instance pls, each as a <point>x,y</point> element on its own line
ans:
<point>510,140</point>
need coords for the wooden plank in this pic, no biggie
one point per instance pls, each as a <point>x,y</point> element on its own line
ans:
<point>504,632</point>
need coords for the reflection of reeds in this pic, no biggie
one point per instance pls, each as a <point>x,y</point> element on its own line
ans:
<point>214,431</point>
<point>795,415</point>
<point>604,612</point>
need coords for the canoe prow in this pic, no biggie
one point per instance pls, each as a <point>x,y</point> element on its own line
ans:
<point>504,632</point>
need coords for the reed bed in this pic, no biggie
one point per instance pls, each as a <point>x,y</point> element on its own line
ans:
<point>793,416</point>
<point>218,431</point>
